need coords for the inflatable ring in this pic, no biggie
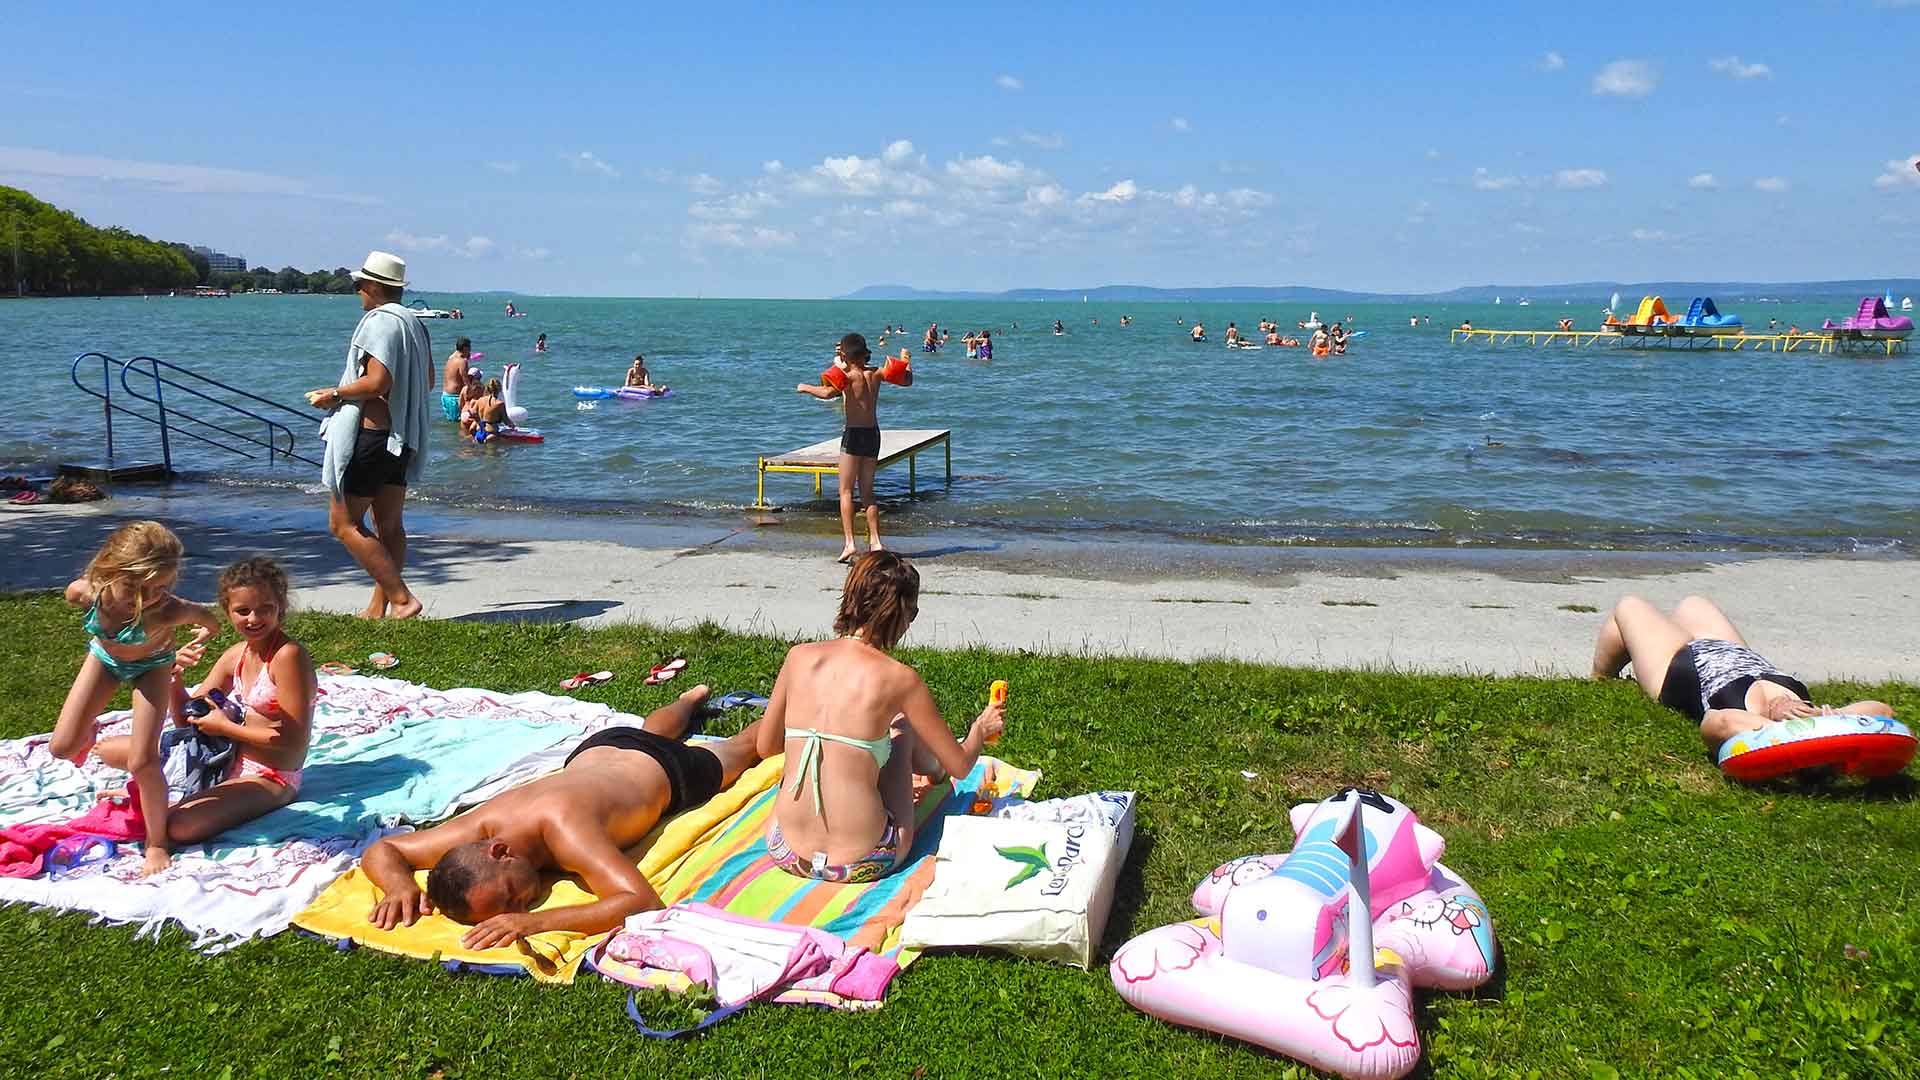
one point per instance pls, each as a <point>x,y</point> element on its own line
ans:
<point>1866,745</point>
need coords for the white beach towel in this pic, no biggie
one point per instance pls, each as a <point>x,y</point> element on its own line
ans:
<point>245,885</point>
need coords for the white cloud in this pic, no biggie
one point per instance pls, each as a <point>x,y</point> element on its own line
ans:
<point>1650,236</point>
<point>183,179</point>
<point>1053,141</point>
<point>508,167</point>
<point>1181,124</point>
<point>1009,82</point>
<point>1902,173</point>
<point>1783,119</point>
<point>741,206</point>
<point>587,161</point>
<point>705,184</point>
<point>1434,154</point>
<point>1773,184</point>
<point>897,151</point>
<point>904,208</point>
<point>1044,197</point>
<point>738,237</point>
<point>987,171</point>
<point>537,254</point>
<point>1705,181</point>
<point>862,177</point>
<point>1486,181</point>
<point>774,167</point>
<point>1248,199</point>
<point>1121,192</point>
<point>1580,179</point>
<point>473,247</point>
<point>1552,61</point>
<point>1527,228</point>
<point>1732,68</point>
<point>1626,78</point>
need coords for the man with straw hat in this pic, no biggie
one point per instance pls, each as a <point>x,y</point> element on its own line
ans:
<point>376,432</point>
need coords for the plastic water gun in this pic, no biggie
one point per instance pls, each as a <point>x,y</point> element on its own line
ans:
<point>997,694</point>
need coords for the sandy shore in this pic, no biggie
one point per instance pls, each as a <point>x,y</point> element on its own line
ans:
<point>1819,617</point>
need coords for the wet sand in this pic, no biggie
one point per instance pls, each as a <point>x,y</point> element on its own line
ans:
<point>1499,612</point>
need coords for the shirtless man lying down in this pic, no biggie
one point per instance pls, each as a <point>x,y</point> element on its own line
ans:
<point>616,785</point>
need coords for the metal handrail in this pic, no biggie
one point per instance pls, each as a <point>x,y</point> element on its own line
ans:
<point>168,419</point>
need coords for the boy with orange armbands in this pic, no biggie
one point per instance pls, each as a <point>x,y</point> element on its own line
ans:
<point>851,378</point>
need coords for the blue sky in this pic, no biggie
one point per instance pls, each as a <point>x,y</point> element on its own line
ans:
<point>784,151</point>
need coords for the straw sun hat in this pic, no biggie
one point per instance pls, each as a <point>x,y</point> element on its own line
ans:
<point>383,267</point>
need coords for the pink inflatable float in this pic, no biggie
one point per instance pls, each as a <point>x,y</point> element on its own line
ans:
<point>1269,961</point>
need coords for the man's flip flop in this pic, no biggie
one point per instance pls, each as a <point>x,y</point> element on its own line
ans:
<point>584,679</point>
<point>384,661</point>
<point>662,672</point>
<point>335,667</point>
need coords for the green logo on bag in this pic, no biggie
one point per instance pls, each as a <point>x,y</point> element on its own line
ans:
<point>1031,861</point>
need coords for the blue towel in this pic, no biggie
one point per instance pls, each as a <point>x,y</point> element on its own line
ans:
<point>412,769</point>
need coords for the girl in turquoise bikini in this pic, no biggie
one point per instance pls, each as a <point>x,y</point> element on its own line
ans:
<point>131,618</point>
<point>856,724</point>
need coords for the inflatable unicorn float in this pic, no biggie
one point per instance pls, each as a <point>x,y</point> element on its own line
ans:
<point>1272,959</point>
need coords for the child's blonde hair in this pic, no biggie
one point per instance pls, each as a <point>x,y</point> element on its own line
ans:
<point>141,551</point>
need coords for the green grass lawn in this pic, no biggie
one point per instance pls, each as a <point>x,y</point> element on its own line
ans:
<point>1655,919</point>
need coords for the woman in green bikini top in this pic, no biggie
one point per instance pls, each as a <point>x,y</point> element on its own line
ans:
<point>856,725</point>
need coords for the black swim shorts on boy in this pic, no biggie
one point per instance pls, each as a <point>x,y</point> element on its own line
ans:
<point>860,442</point>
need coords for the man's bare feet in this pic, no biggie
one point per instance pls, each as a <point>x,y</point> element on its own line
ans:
<point>406,610</point>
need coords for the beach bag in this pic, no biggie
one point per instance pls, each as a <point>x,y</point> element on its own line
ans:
<point>1036,879</point>
<point>193,761</point>
<point>742,960</point>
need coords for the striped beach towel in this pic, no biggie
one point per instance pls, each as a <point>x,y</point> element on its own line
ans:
<point>733,871</point>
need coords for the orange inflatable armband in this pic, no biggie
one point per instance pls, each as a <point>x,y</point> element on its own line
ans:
<point>896,369</point>
<point>835,378</point>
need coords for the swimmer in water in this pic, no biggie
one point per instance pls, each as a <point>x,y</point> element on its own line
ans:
<point>1198,333</point>
<point>1058,329</point>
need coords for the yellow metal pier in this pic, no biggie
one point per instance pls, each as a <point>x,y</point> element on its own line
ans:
<point>1818,342</point>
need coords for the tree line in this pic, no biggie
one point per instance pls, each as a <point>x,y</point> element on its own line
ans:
<point>48,251</point>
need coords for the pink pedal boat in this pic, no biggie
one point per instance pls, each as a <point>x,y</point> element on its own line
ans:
<point>1872,321</point>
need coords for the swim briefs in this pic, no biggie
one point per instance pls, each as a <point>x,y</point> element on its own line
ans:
<point>694,775</point>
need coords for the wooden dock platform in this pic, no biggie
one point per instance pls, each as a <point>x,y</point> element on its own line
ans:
<point>823,458</point>
<point>1820,342</point>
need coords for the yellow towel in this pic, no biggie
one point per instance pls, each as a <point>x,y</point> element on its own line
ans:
<point>341,911</point>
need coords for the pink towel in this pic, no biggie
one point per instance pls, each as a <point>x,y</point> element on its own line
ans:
<point>23,848</point>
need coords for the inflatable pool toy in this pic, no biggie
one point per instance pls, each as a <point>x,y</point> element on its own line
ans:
<point>628,393</point>
<point>1311,322</point>
<point>510,391</point>
<point>1271,960</point>
<point>592,392</point>
<point>897,370</point>
<point>1867,745</point>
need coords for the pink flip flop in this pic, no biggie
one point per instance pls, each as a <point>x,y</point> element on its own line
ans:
<point>335,667</point>
<point>584,679</point>
<point>662,672</point>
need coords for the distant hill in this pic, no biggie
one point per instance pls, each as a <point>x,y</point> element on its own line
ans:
<point>1591,291</point>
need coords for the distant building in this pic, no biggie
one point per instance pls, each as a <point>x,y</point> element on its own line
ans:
<point>222,263</point>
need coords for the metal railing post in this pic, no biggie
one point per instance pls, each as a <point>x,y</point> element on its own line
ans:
<point>159,401</point>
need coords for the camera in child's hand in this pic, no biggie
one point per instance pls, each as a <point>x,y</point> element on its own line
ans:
<point>211,700</point>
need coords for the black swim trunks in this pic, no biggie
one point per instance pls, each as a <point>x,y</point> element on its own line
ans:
<point>371,467</point>
<point>694,775</point>
<point>860,442</point>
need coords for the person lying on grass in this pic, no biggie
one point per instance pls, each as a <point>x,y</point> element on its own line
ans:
<point>846,809</point>
<point>615,786</point>
<point>1696,663</point>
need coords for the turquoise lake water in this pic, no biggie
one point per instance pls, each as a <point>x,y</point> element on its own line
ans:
<point>1408,440</point>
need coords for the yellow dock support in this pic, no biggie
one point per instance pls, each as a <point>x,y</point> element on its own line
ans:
<point>823,459</point>
<point>1819,343</point>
